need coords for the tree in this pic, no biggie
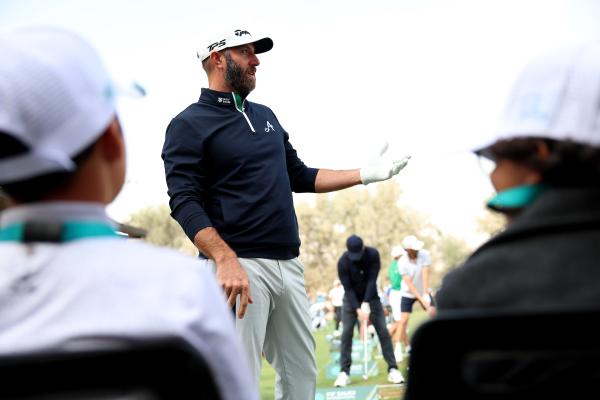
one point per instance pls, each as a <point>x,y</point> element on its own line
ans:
<point>375,215</point>
<point>162,229</point>
<point>491,223</point>
<point>452,252</point>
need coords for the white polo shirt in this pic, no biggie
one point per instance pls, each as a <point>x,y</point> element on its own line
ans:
<point>59,295</point>
<point>337,296</point>
<point>414,269</point>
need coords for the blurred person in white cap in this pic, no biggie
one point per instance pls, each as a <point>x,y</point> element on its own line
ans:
<point>230,171</point>
<point>336,297</point>
<point>358,268</point>
<point>67,275</point>
<point>546,157</point>
<point>395,297</point>
<point>414,267</point>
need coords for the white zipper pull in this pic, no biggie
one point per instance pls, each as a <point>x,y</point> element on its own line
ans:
<point>239,105</point>
<point>249,123</point>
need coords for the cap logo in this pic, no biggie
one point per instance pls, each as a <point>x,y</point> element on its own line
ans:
<point>217,44</point>
<point>241,33</point>
<point>537,106</point>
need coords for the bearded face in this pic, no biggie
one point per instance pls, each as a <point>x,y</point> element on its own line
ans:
<point>241,80</point>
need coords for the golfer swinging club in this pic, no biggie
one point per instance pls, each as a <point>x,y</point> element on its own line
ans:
<point>358,268</point>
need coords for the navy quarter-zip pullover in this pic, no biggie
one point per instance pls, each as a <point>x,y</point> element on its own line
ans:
<point>229,165</point>
<point>359,278</point>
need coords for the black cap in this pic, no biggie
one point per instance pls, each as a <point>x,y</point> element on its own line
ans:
<point>355,247</point>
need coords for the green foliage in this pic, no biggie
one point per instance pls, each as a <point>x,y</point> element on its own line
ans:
<point>378,218</point>
<point>373,213</point>
<point>452,252</point>
<point>491,223</point>
<point>162,229</point>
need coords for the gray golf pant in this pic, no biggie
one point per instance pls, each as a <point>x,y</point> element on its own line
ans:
<point>278,324</point>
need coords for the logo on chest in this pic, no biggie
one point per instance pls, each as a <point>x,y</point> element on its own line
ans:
<point>269,127</point>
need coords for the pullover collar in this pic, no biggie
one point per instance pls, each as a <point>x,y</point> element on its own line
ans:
<point>223,99</point>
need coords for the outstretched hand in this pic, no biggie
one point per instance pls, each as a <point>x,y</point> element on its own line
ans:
<point>383,167</point>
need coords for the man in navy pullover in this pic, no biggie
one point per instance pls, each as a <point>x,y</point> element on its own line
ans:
<point>358,269</point>
<point>230,172</point>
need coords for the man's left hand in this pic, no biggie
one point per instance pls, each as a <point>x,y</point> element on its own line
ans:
<point>382,168</point>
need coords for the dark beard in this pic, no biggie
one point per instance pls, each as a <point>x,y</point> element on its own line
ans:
<point>236,77</point>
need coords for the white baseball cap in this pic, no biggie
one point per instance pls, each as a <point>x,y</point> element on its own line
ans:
<point>412,243</point>
<point>56,98</point>
<point>556,97</point>
<point>397,251</point>
<point>235,38</point>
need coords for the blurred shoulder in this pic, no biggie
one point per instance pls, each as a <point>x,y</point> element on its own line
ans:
<point>140,257</point>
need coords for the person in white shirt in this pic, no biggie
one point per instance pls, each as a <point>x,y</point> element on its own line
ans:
<point>395,297</point>
<point>68,279</point>
<point>414,267</point>
<point>336,296</point>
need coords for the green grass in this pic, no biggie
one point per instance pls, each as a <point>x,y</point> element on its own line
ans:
<point>267,379</point>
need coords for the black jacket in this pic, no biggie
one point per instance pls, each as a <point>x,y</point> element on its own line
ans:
<point>359,278</point>
<point>548,257</point>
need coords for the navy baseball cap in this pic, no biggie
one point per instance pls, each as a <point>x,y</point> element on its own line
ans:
<point>355,247</point>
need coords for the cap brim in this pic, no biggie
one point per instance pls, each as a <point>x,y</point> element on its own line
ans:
<point>483,147</point>
<point>262,45</point>
<point>355,256</point>
<point>485,152</point>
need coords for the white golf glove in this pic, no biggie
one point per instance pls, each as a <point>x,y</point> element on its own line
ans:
<point>365,308</point>
<point>427,298</point>
<point>382,168</point>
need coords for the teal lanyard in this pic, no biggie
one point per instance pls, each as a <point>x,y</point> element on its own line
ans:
<point>516,198</point>
<point>69,231</point>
